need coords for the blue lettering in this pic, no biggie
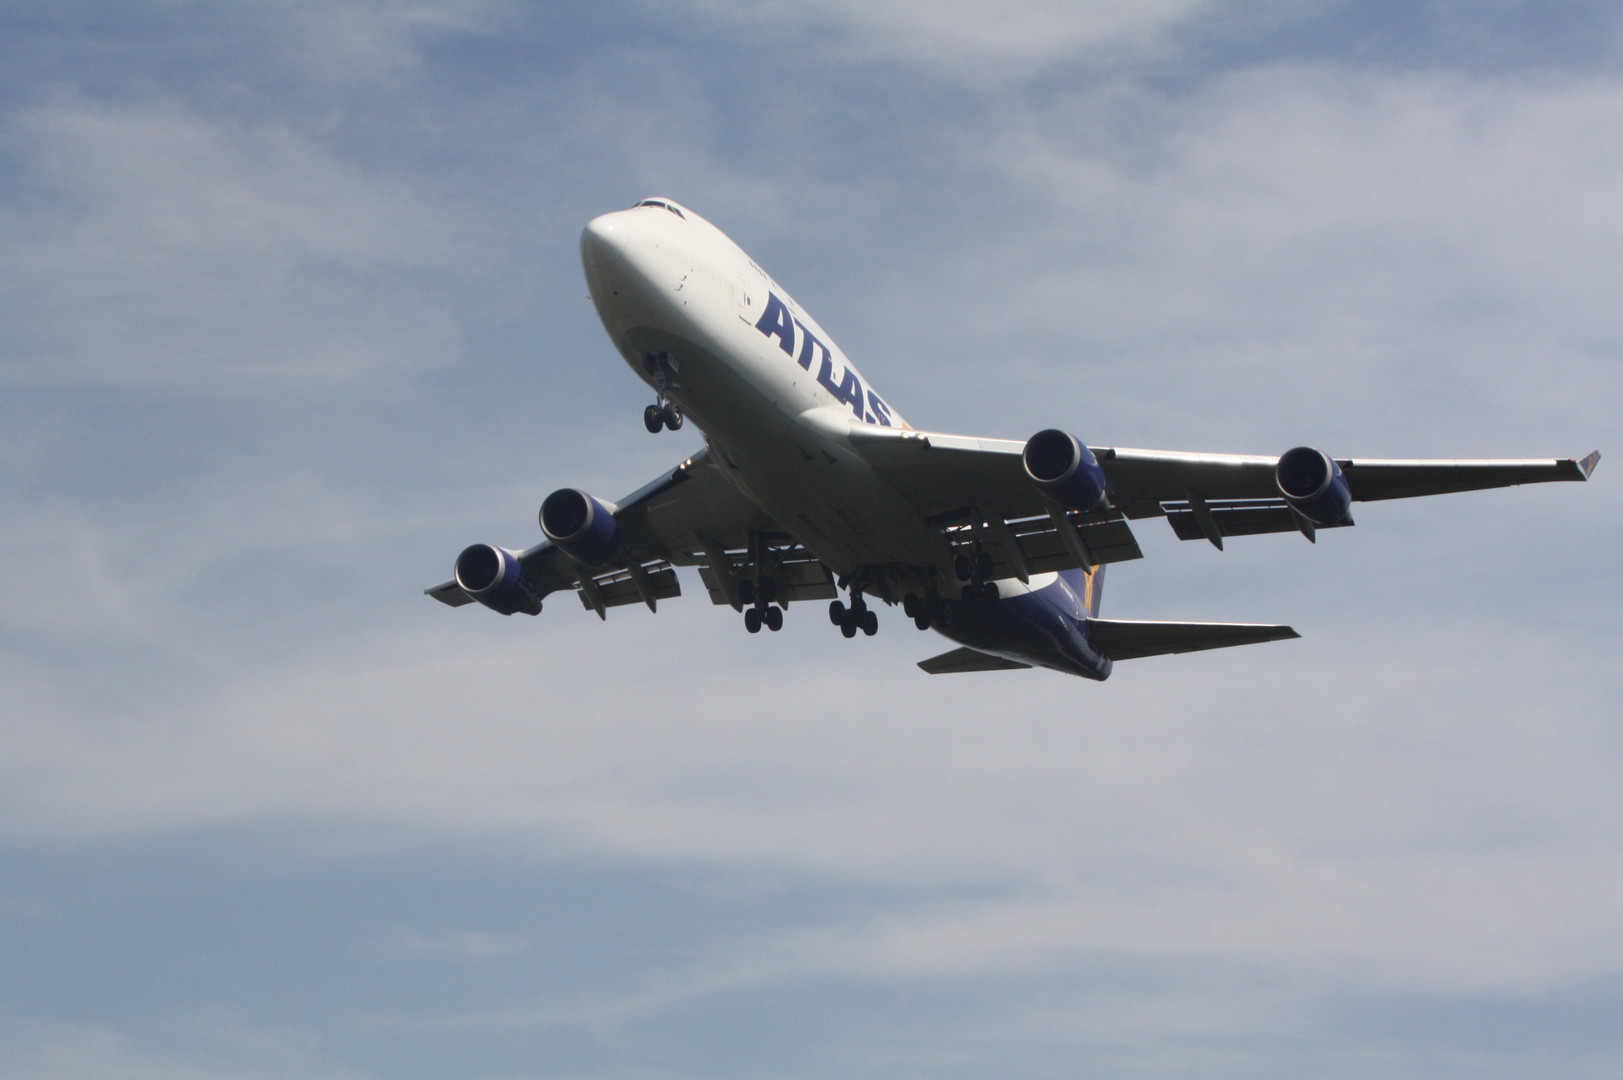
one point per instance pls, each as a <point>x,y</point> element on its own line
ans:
<point>808,346</point>
<point>880,410</point>
<point>777,322</point>
<point>848,390</point>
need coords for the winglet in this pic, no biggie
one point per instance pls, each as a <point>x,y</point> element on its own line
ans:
<point>1587,465</point>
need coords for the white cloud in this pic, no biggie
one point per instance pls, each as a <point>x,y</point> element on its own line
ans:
<point>974,39</point>
<point>228,1051</point>
<point>157,246</point>
<point>1430,252</point>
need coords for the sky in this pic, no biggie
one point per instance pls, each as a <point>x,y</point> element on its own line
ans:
<point>291,311</point>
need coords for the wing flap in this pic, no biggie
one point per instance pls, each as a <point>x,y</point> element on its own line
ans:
<point>620,587</point>
<point>950,663</point>
<point>1122,639</point>
<point>796,579</point>
<point>1237,517</point>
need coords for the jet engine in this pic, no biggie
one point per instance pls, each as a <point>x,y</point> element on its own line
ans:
<point>581,525</point>
<point>1065,469</point>
<point>1312,482</point>
<point>493,576</point>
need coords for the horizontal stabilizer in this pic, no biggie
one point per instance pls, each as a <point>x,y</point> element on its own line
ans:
<point>968,660</point>
<point>1128,640</point>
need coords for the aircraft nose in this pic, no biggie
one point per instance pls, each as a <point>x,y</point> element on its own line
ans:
<point>604,239</point>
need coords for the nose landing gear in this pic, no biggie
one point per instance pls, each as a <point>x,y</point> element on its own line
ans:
<point>662,368</point>
<point>661,414</point>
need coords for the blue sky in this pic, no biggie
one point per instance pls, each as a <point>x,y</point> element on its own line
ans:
<point>291,311</point>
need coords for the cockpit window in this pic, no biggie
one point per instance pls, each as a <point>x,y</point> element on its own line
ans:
<point>663,205</point>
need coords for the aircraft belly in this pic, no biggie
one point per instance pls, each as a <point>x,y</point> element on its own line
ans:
<point>814,486</point>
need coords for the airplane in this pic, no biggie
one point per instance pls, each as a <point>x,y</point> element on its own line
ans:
<point>811,484</point>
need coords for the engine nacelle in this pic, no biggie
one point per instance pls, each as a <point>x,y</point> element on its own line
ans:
<point>493,576</point>
<point>1311,481</point>
<point>1065,469</point>
<point>581,525</point>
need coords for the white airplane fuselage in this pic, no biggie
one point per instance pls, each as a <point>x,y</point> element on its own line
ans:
<point>699,321</point>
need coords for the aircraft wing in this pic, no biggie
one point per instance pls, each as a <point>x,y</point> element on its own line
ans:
<point>689,516</point>
<point>1203,496</point>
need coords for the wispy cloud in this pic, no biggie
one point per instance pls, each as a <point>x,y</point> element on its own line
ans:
<point>157,246</point>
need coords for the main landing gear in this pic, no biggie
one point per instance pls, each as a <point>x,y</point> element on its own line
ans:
<point>759,595</point>
<point>973,570</point>
<point>927,610</point>
<point>856,617</point>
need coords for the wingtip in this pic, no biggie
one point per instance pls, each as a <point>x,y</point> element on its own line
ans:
<point>1587,465</point>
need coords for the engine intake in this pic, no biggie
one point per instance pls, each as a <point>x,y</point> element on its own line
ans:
<point>582,526</point>
<point>494,577</point>
<point>1311,481</point>
<point>1064,469</point>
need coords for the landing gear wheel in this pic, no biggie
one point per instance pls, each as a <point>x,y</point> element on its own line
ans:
<point>774,619</point>
<point>849,628</point>
<point>960,567</point>
<point>653,418</point>
<point>672,416</point>
<point>870,623</point>
<point>836,614</point>
<point>989,593</point>
<point>972,594</point>
<point>910,605</point>
<point>752,621</point>
<point>746,591</point>
<point>922,621</point>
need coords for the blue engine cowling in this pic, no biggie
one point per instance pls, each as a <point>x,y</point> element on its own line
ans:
<point>493,576</point>
<point>1311,481</point>
<point>1065,469</point>
<point>581,525</point>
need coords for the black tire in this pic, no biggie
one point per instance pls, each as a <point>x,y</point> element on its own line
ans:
<point>989,593</point>
<point>870,623</point>
<point>960,567</point>
<point>922,621</point>
<point>746,591</point>
<point>672,416</point>
<point>653,419</point>
<point>910,605</point>
<point>848,628</point>
<point>836,613</point>
<point>774,619</point>
<point>752,621</point>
